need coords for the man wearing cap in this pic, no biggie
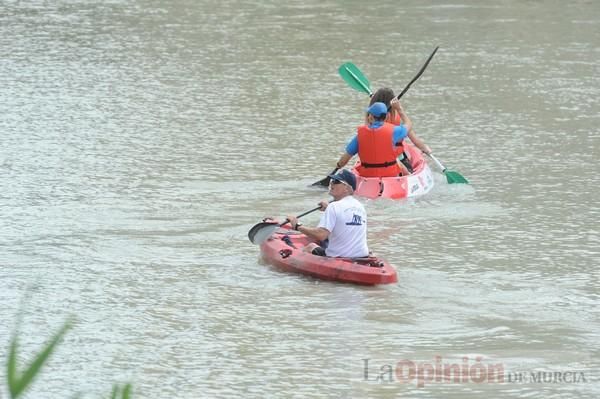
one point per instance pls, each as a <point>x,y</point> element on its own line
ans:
<point>343,223</point>
<point>374,144</point>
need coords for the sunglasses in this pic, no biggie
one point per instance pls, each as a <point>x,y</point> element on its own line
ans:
<point>334,182</point>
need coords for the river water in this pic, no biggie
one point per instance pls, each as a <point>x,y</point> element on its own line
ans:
<point>140,141</point>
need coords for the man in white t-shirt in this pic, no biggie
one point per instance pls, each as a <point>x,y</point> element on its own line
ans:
<point>344,221</point>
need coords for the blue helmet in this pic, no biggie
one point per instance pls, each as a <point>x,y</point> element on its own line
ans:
<point>377,109</point>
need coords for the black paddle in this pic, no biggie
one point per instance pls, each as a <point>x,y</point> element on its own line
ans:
<point>325,181</point>
<point>261,231</point>
<point>418,75</point>
<point>357,80</point>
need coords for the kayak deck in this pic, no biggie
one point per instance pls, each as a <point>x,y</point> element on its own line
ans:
<point>284,250</point>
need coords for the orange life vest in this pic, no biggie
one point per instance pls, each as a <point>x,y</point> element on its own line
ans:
<point>394,119</point>
<point>376,152</point>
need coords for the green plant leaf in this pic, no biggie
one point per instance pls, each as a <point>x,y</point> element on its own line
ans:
<point>126,392</point>
<point>115,391</point>
<point>118,393</point>
<point>18,383</point>
<point>11,372</point>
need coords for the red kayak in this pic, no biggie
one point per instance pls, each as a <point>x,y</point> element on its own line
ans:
<point>284,250</point>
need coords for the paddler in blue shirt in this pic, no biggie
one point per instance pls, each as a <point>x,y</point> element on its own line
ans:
<point>375,144</point>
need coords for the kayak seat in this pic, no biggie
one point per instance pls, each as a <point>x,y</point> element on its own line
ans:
<point>406,162</point>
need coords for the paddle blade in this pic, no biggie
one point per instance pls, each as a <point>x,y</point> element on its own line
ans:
<point>324,182</point>
<point>260,232</point>
<point>455,177</point>
<point>355,78</point>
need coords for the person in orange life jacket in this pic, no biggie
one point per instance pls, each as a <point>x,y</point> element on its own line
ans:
<point>343,223</point>
<point>387,96</point>
<point>374,144</point>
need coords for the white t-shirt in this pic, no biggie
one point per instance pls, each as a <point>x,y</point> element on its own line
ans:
<point>346,221</point>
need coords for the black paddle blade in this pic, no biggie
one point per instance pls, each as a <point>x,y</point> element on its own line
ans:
<point>324,182</point>
<point>261,231</point>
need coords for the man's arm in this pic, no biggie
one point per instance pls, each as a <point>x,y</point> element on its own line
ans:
<point>316,233</point>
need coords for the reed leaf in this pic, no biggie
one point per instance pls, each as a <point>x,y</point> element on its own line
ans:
<point>115,392</point>
<point>118,393</point>
<point>126,392</point>
<point>18,383</point>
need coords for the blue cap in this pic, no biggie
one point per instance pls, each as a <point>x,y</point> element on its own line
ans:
<point>377,109</point>
<point>346,176</point>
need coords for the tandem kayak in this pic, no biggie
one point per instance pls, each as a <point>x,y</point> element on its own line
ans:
<point>284,250</point>
<point>418,183</point>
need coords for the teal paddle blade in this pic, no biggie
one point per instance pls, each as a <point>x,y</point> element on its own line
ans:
<point>355,78</point>
<point>455,177</point>
<point>451,176</point>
